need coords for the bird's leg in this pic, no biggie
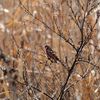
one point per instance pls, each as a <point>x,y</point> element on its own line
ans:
<point>49,58</point>
<point>46,62</point>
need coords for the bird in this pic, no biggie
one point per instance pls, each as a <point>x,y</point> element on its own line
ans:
<point>51,54</point>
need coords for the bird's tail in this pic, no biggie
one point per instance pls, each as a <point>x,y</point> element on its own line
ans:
<point>62,63</point>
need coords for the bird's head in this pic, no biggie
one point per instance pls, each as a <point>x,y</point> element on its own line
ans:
<point>47,47</point>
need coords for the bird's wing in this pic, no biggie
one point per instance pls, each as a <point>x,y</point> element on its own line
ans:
<point>52,52</point>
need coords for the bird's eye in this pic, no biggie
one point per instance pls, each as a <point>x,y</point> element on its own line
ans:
<point>46,47</point>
